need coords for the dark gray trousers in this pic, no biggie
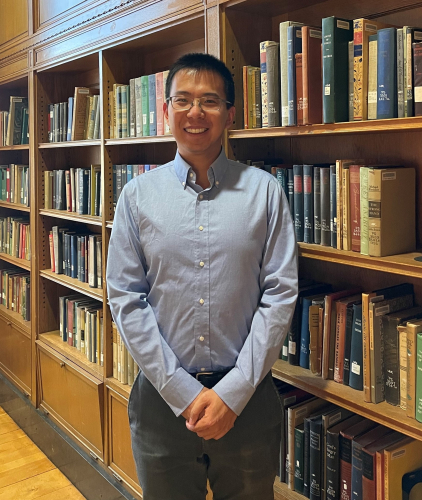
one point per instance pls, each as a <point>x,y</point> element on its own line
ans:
<point>173,463</point>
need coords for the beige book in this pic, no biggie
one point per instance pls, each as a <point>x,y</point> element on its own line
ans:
<point>119,357</point>
<point>48,189</point>
<point>111,114</point>
<point>88,111</point>
<point>138,107</point>
<point>402,331</point>
<point>347,237</point>
<point>100,319</point>
<point>412,330</point>
<point>115,372</point>
<point>79,113</point>
<point>366,344</point>
<point>92,114</point>
<point>372,81</point>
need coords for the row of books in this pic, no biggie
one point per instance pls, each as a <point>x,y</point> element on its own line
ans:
<point>14,123</point>
<point>15,237</point>
<point>124,173</point>
<point>81,326</point>
<point>367,340</point>
<point>15,291</point>
<point>76,255</point>
<point>345,71</point>
<point>124,367</point>
<point>75,120</point>
<point>334,454</point>
<point>340,206</point>
<point>75,190</point>
<point>136,110</point>
<point>14,184</point>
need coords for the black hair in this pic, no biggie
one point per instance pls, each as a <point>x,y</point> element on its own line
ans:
<point>203,62</point>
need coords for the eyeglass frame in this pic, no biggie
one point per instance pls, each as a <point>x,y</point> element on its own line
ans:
<point>199,103</point>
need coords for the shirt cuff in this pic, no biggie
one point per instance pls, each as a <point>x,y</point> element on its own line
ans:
<point>180,391</point>
<point>234,390</point>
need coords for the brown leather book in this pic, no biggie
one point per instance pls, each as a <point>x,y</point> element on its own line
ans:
<point>312,75</point>
<point>299,89</point>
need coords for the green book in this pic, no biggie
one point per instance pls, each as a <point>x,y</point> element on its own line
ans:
<point>299,457</point>
<point>336,34</point>
<point>145,105</point>
<point>419,378</point>
<point>25,116</point>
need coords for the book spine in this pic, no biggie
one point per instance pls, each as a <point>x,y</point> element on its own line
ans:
<point>387,74</point>
<point>339,203</point>
<point>132,100</point>
<point>290,188</point>
<point>411,372</point>
<point>145,106</point>
<point>400,74</point>
<point>299,90</point>
<point>328,70</point>
<point>374,213</point>
<point>317,205</point>
<point>372,77</point>
<point>138,107</point>
<point>361,54</point>
<point>152,105</point>
<point>345,468</point>
<point>347,241</point>
<point>250,91</point>
<point>333,206</point>
<point>291,77</point>
<point>246,101</point>
<point>298,202</point>
<point>402,331</point>
<point>256,81</point>
<point>332,463</point>
<point>356,350</point>
<point>347,345</point>
<point>351,82</point>
<point>264,82</point>
<point>273,83</point>
<point>314,354</point>
<point>356,478</point>
<point>391,362</point>
<point>364,221</point>
<point>315,459</point>
<point>340,341</point>
<point>368,476</point>
<point>354,198</point>
<point>299,445</point>
<point>417,74</point>
<point>312,75</point>
<point>306,458</point>
<point>308,203</point>
<point>325,206</point>
<point>418,400</point>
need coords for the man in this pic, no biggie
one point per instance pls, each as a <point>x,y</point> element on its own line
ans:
<point>202,282</point>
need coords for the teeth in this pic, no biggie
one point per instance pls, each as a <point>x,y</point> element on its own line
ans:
<point>195,130</point>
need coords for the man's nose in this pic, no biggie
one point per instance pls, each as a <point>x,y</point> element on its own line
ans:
<point>196,109</point>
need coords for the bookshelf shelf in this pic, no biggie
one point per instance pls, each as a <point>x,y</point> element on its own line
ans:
<point>140,140</point>
<point>122,389</point>
<point>24,264</point>
<point>53,340</point>
<point>383,413</point>
<point>369,126</point>
<point>282,492</point>
<point>109,224</point>
<point>404,264</point>
<point>62,214</point>
<point>14,206</point>
<point>17,147</point>
<point>69,144</point>
<point>74,284</point>
<point>16,319</point>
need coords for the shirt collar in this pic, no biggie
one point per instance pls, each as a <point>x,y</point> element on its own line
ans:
<point>215,174</point>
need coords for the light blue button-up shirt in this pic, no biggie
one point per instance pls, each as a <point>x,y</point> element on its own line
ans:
<point>203,279</point>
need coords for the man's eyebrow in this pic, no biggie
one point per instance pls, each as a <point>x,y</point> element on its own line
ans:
<point>182,92</point>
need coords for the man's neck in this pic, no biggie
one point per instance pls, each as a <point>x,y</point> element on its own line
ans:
<point>200,165</point>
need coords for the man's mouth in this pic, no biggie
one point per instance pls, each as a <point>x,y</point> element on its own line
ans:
<point>195,130</point>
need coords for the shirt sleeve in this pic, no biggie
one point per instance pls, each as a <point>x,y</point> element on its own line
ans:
<point>128,290</point>
<point>271,320</point>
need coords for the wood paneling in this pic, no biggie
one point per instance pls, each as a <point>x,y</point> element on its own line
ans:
<point>49,9</point>
<point>13,19</point>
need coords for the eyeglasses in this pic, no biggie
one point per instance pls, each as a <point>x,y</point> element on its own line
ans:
<point>206,103</point>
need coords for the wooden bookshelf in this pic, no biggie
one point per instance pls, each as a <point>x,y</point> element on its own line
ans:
<point>152,139</point>
<point>15,206</point>
<point>282,492</point>
<point>72,216</point>
<point>73,283</point>
<point>53,340</point>
<point>16,319</point>
<point>24,264</point>
<point>17,147</point>
<point>122,389</point>
<point>69,144</point>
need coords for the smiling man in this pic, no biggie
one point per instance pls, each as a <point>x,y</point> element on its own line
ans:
<point>202,282</point>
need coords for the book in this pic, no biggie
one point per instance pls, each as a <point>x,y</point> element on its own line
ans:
<point>391,225</point>
<point>402,333</point>
<point>354,200</point>
<point>347,234</point>
<point>264,81</point>
<point>356,350</point>
<point>410,35</point>
<point>364,209</point>
<point>298,202</point>
<point>417,75</point>
<point>312,75</point>
<point>336,35</point>
<point>273,83</point>
<point>317,204</point>
<point>316,312</point>
<point>400,73</point>
<point>299,458</point>
<point>387,73</point>
<point>294,47</point>
<point>299,89</point>
<point>372,76</point>
<point>14,126</point>
<point>308,204</point>
<point>152,105</point>
<point>325,206</point>
<point>79,113</point>
<point>333,206</point>
<point>351,82</point>
<point>145,105</point>
<point>413,328</point>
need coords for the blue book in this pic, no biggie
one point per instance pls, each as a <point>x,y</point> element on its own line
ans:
<point>152,105</point>
<point>387,73</point>
<point>147,168</point>
<point>69,118</point>
<point>129,173</point>
<point>294,46</point>
<point>74,255</point>
<point>308,204</point>
<point>356,350</point>
<point>298,201</point>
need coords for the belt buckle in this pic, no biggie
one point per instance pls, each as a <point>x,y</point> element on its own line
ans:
<point>199,374</point>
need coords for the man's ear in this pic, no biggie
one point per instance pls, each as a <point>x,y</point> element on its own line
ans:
<point>166,112</point>
<point>230,117</point>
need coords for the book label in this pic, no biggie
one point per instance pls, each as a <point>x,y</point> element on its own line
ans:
<point>292,347</point>
<point>355,368</point>
<point>389,176</point>
<point>380,311</point>
<point>327,89</point>
<point>285,350</point>
<point>371,27</point>
<point>418,94</point>
<point>372,97</point>
<point>151,117</point>
<point>285,111</point>
<point>344,25</point>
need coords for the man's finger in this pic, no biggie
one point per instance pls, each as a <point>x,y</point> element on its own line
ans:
<point>197,410</point>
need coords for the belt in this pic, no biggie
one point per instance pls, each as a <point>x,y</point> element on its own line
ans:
<point>210,379</point>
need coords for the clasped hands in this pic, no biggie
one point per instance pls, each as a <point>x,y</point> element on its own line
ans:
<point>209,416</point>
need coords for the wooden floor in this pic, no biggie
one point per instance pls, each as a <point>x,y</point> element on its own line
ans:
<point>25,472</point>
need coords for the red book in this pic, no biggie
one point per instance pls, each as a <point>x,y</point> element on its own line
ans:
<point>354,179</point>
<point>299,89</point>
<point>312,74</point>
<point>159,99</point>
<point>346,438</point>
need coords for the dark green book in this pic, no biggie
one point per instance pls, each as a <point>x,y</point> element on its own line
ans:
<point>299,457</point>
<point>356,350</point>
<point>336,34</point>
<point>347,344</point>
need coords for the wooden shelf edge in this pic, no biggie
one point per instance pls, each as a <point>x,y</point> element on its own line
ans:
<point>16,319</point>
<point>122,389</point>
<point>73,216</point>
<point>69,144</point>
<point>22,263</point>
<point>346,397</point>
<point>368,126</point>
<point>73,283</point>
<point>17,147</point>
<point>282,492</point>
<point>14,206</point>
<point>53,340</point>
<point>140,140</point>
<point>403,264</point>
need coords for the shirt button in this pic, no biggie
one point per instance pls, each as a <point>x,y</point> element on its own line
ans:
<point>200,196</point>
<point>201,228</point>
<point>217,183</point>
<point>202,264</point>
<point>201,301</point>
<point>202,369</point>
<point>201,338</point>
<point>191,174</point>
<point>183,183</point>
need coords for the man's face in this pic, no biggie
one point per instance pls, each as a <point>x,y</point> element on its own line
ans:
<point>198,132</point>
